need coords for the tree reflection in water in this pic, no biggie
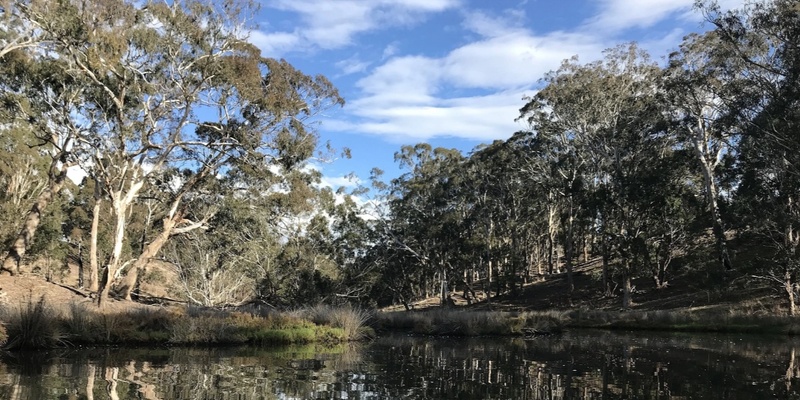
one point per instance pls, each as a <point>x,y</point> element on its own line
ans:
<point>586,365</point>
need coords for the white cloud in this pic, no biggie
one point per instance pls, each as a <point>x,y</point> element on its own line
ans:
<point>352,65</point>
<point>336,182</point>
<point>332,24</point>
<point>389,51</point>
<point>474,92</point>
<point>275,44</point>
<point>492,26</point>
<point>476,118</point>
<point>517,59</point>
<point>402,80</point>
<point>617,15</point>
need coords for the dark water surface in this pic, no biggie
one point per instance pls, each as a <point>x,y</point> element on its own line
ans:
<point>575,365</point>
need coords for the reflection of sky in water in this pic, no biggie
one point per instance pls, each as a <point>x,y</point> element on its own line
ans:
<point>592,365</point>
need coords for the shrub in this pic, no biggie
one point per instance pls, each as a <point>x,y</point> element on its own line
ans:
<point>352,321</point>
<point>33,325</point>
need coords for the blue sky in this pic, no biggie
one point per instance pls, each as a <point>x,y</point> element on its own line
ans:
<point>448,72</point>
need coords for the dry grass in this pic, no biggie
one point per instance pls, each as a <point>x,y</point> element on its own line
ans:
<point>497,323</point>
<point>353,321</point>
<point>703,320</point>
<point>469,323</point>
<point>32,325</point>
<point>37,324</point>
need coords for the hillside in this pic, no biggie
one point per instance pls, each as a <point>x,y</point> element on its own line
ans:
<point>686,291</point>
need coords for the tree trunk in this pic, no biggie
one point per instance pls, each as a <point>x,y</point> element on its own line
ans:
<point>81,267</point>
<point>552,231</point>
<point>789,286</point>
<point>717,227</point>
<point>606,257</point>
<point>550,250</point>
<point>93,267</point>
<point>113,263</point>
<point>585,248</point>
<point>568,255</point>
<point>120,204</point>
<point>22,242</point>
<point>444,291</point>
<point>148,252</point>
<point>626,295</point>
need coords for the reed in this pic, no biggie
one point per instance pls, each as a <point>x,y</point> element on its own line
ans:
<point>33,324</point>
<point>352,321</point>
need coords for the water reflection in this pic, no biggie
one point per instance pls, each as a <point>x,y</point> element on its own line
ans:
<point>587,365</point>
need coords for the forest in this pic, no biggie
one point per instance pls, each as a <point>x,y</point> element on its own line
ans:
<point>195,155</point>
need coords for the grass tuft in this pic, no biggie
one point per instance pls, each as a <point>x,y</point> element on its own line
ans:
<point>33,325</point>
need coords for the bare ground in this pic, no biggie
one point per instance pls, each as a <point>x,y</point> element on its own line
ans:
<point>18,290</point>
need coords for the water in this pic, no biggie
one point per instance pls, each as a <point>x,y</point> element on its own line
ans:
<point>576,365</point>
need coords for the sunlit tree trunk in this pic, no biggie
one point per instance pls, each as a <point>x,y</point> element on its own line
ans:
<point>626,289</point>
<point>120,205</point>
<point>789,286</point>
<point>93,264</point>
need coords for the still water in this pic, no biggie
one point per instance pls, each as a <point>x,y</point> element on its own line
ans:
<point>575,365</point>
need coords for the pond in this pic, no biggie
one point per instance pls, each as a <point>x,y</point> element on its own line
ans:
<point>574,365</point>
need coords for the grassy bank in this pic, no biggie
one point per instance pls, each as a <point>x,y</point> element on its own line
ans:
<point>38,324</point>
<point>497,323</point>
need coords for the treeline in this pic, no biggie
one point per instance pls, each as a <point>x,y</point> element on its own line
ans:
<point>196,153</point>
<point>626,161</point>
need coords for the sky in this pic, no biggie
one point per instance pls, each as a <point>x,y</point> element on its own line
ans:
<point>452,73</point>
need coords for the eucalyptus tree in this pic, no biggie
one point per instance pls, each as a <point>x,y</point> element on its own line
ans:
<point>633,157</point>
<point>698,95</point>
<point>177,85</point>
<point>598,125</point>
<point>16,30</point>
<point>424,218</point>
<point>565,116</point>
<point>765,37</point>
<point>23,177</point>
<point>41,101</point>
<point>504,209</point>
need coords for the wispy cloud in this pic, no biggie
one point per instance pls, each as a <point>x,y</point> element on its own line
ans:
<point>474,92</point>
<point>352,65</point>
<point>330,24</point>
<point>489,25</point>
<point>275,44</point>
<point>617,15</point>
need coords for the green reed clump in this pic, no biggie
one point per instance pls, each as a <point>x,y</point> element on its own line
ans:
<point>352,321</point>
<point>33,325</point>
<point>222,327</point>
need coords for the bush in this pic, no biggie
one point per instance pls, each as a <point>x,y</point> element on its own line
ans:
<point>33,325</point>
<point>352,321</point>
